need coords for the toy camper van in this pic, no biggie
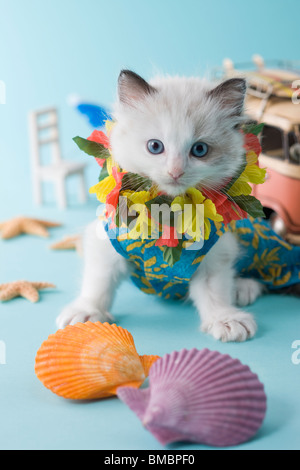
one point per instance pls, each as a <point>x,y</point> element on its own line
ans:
<point>272,99</point>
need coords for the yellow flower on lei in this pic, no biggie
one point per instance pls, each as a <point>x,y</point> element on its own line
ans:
<point>104,188</point>
<point>252,174</point>
<point>143,226</point>
<point>195,214</point>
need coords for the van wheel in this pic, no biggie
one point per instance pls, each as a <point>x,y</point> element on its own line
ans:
<point>278,225</point>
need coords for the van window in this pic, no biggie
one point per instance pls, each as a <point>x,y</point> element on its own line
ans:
<point>294,146</point>
<point>272,142</point>
<point>272,139</point>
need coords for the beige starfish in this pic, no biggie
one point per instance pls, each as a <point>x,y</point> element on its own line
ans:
<point>71,242</point>
<point>19,225</point>
<point>26,289</point>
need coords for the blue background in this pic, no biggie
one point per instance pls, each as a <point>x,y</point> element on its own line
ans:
<point>49,50</point>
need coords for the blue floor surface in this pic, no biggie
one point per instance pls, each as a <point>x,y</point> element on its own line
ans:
<point>34,418</point>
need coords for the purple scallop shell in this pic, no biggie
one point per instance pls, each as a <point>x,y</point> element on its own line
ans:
<point>199,396</point>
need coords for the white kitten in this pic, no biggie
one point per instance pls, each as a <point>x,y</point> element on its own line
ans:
<point>181,118</point>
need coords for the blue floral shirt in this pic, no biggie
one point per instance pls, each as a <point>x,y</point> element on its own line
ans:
<point>266,257</point>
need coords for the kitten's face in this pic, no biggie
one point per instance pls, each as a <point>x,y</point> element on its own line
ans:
<point>179,132</point>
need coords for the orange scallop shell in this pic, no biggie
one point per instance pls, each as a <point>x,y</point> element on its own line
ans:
<point>90,361</point>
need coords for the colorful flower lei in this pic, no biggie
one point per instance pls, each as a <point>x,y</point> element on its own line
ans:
<point>231,202</point>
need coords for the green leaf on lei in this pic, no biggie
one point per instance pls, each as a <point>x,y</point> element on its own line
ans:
<point>104,172</point>
<point>172,254</point>
<point>253,128</point>
<point>92,148</point>
<point>135,182</point>
<point>251,205</point>
<point>160,201</point>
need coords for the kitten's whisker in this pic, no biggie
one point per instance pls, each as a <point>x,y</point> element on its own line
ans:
<point>230,198</point>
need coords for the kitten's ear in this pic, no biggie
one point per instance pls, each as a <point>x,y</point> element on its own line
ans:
<point>132,87</point>
<point>231,94</point>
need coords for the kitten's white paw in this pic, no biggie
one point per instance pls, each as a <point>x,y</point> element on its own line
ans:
<point>247,291</point>
<point>233,325</point>
<point>81,311</point>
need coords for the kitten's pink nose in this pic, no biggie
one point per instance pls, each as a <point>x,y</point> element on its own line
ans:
<point>176,173</point>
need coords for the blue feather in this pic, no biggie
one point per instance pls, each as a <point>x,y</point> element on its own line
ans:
<point>97,115</point>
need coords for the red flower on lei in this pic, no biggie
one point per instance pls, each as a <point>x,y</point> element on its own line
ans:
<point>228,209</point>
<point>168,238</point>
<point>100,138</point>
<point>112,199</point>
<point>251,143</point>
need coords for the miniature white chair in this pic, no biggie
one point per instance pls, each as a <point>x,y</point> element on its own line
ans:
<point>43,129</point>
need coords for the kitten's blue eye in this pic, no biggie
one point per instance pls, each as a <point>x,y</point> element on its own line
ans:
<point>155,146</point>
<point>199,149</point>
